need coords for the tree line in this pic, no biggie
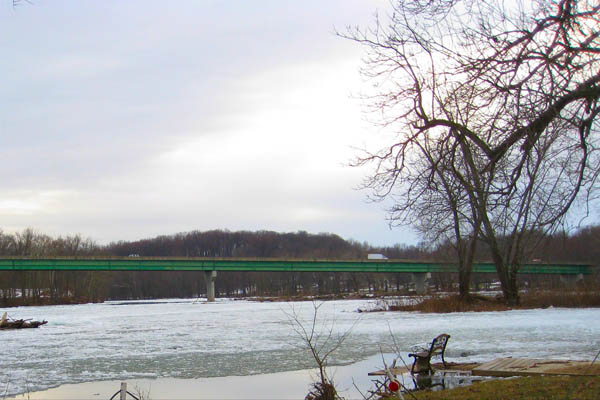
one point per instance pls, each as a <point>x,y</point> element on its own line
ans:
<point>42,287</point>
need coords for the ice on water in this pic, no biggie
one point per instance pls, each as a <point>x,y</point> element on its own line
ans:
<point>192,339</point>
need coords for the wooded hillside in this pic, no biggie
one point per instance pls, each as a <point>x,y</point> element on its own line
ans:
<point>43,287</point>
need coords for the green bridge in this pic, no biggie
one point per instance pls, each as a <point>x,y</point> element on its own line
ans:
<point>259,264</point>
<point>419,269</point>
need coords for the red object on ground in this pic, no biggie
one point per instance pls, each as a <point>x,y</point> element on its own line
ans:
<point>394,386</point>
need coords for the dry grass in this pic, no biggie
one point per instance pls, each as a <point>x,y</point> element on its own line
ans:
<point>561,298</point>
<point>322,391</point>
<point>532,299</point>
<point>452,303</point>
<point>536,388</point>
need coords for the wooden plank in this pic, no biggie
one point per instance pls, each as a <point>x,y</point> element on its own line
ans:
<point>123,392</point>
<point>504,367</point>
<point>519,363</point>
<point>492,365</point>
<point>502,363</point>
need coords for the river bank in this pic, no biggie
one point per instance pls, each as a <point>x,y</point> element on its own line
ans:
<point>486,302</point>
<point>435,302</point>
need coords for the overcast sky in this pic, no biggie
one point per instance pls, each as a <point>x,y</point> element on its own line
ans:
<point>122,120</point>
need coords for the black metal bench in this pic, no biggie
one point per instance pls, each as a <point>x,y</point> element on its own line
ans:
<point>422,357</point>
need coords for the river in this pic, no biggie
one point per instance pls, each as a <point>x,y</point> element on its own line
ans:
<point>191,339</point>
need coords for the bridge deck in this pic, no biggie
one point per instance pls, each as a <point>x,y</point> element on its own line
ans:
<point>258,264</point>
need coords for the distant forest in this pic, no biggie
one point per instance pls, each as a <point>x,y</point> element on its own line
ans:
<point>44,287</point>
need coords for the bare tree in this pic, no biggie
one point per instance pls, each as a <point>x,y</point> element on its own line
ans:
<point>495,110</point>
<point>435,203</point>
<point>321,339</point>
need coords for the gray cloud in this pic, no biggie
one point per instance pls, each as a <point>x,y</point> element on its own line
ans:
<point>122,120</point>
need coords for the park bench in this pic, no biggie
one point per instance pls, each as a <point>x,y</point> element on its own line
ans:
<point>422,356</point>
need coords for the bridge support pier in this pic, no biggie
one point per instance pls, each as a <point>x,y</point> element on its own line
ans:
<point>570,280</point>
<point>211,277</point>
<point>420,279</point>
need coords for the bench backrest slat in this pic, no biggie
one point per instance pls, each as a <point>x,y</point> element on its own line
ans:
<point>439,344</point>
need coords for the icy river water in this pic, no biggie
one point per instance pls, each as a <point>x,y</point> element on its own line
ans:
<point>188,339</point>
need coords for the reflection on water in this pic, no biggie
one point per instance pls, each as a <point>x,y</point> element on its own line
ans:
<point>439,380</point>
<point>445,380</point>
<point>291,385</point>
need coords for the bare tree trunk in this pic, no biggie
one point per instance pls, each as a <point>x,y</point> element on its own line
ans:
<point>507,275</point>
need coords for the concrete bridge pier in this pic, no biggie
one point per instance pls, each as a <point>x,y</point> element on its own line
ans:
<point>420,280</point>
<point>211,277</point>
<point>570,280</point>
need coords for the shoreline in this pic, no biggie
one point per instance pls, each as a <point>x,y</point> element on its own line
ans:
<point>435,302</point>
